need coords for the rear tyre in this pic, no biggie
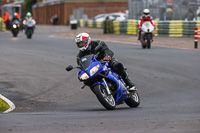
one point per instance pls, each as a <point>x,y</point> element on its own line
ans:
<point>106,100</point>
<point>133,100</point>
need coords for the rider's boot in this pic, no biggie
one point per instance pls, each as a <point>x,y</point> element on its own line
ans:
<point>139,33</point>
<point>120,70</point>
<point>130,84</point>
<point>152,38</point>
<point>138,37</point>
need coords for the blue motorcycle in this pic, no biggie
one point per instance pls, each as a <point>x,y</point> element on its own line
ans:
<point>108,87</point>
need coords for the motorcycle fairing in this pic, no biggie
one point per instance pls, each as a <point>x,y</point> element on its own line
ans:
<point>121,92</point>
<point>87,70</point>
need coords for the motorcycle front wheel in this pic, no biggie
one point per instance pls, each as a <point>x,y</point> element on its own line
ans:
<point>14,35</point>
<point>29,34</point>
<point>148,43</point>
<point>149,38</point>
<point>106,100</point>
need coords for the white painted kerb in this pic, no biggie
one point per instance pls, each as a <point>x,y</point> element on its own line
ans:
<point>11,104</point>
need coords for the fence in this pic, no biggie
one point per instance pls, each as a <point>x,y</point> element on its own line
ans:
<point>165,9</point>
<point>174,28</point>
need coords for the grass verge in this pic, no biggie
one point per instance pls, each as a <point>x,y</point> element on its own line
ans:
<point>3,105</point>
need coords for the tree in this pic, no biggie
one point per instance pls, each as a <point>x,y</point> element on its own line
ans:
<point>29,3</point>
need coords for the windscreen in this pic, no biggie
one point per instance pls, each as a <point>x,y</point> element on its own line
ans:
<point>85,61</point>
<point>16,22</point>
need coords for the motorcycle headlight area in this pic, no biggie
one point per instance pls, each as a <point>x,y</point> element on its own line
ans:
<point>94,70</point>
<point>14,26</point>
<point>84,76</point>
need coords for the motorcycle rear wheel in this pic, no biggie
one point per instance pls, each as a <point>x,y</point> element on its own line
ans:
<point>133,100</point>
<point>106,100</point>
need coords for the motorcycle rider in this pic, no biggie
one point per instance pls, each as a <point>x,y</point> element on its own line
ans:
<point>86,47</point>
<point>28,18</point>
<point>145,17</point>
<point>15,17</point>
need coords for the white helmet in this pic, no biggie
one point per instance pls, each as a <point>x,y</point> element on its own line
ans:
<point>15,14</point>
<point>82,41</point>
<point>146,12</point>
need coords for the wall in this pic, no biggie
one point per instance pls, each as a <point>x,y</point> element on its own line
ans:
<point>43,14</point>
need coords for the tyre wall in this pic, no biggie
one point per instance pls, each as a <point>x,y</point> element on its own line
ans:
<point>162,28</point>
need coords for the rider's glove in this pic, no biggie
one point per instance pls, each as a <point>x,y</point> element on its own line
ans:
<point>107,58</point>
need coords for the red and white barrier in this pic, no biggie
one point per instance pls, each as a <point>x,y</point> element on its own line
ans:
<point>196,37</point>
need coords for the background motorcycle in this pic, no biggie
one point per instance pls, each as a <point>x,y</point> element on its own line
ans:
<point>29,29</point>
<point>15,28</point>
<point>146,34</point>
<point>108,87</point>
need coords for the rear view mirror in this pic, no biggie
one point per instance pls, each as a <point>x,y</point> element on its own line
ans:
<point>69,68</point>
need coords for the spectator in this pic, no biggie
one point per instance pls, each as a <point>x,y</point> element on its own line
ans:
<point>6,20</point>
<point>190,16</point>
<point>54,19</point>
<point>169,14</point>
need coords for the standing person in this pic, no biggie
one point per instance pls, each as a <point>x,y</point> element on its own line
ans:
<point>190,16</point>
<point>86,47</point>
<point>145,17</point>
<point>54,19</point>
<point>6,15</point>
<point>6,20</point>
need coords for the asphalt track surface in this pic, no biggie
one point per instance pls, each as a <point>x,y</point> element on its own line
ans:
<point>49,100</point>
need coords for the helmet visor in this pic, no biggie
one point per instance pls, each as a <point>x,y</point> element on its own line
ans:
<point>80,44</point>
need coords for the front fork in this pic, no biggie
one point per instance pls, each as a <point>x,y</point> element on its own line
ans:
<point>107,88</point>
<point>145,36</point>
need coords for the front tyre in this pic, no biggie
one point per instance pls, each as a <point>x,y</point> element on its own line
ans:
<point>14,35</point>
<point>133,100</point>
<point>148,43</point>
<point>106,100</point>
<point>149,37</point>
<point>142,40</point>
<point>29,33</point>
